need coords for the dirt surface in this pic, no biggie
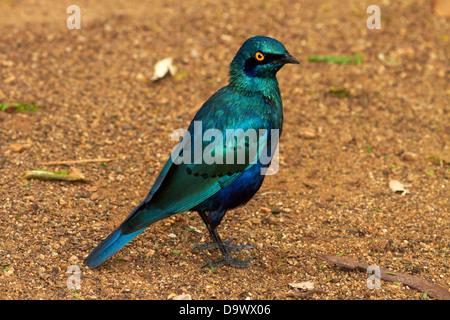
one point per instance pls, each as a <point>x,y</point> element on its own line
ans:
<point>338,153</point>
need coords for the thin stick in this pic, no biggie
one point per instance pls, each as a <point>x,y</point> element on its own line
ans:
<point>76,161</point>
<point>430,288</point>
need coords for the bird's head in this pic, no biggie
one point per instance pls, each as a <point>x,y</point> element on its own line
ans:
<point>259,57</point>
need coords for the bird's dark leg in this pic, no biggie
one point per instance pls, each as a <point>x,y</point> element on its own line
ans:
<point>214,245</point>
<point>224,247</point>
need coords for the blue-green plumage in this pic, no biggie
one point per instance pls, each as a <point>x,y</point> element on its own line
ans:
<point>251,100</point>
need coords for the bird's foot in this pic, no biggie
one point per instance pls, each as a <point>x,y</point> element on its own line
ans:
<point>228,261</point>
<point>229,247</point>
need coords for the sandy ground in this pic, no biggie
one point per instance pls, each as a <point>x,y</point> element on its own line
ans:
<point>337,156</point>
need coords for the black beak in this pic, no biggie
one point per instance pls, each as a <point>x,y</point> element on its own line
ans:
<point>287,58</point>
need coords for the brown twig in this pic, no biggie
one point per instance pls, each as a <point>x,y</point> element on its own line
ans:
<point>430,288</point>
<point>50,163</point>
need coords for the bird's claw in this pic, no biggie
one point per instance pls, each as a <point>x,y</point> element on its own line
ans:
<point>229,247</point>
<point>228,261</point>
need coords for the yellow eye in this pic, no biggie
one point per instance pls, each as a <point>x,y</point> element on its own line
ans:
<point>259,56</point>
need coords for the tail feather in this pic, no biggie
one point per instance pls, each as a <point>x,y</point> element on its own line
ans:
<point>108,247</point>
<point>126,232</point>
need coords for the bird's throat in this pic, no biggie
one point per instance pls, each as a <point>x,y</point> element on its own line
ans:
<point>245,85</point>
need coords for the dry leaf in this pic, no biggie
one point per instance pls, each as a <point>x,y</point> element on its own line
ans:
<point>306,294</point>
<point>397,186</point>
<point>307,133</point>
<point>409,156</point>
<point>162,68</point>
<point>390,60</point>
<point>170,296</point>
<point>17,147</point>
<point>307,285</point>
<point>226,37</point>
<point>186,296</point>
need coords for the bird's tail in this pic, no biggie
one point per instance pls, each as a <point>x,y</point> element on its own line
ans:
<point>108,247</point>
